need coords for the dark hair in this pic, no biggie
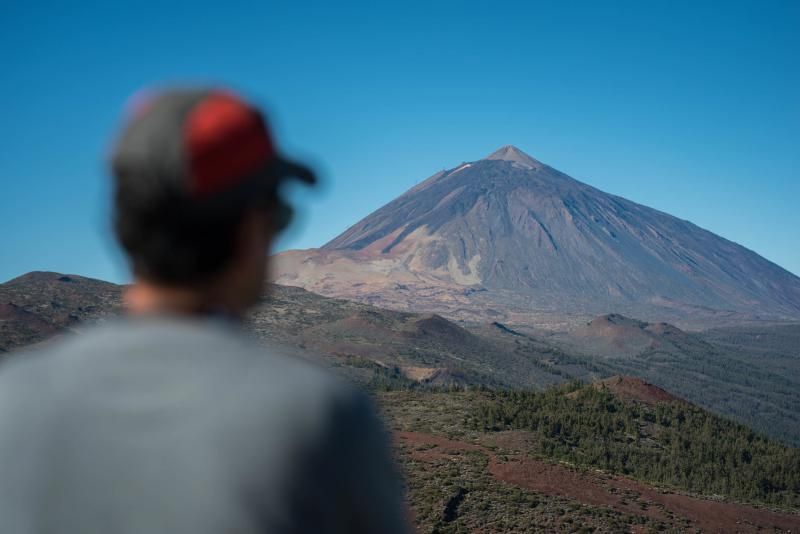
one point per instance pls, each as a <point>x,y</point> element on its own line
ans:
<point>173,239</point>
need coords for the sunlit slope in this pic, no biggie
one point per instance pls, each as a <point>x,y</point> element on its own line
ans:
<point>512,238</point>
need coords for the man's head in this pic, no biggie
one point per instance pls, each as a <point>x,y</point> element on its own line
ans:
<point>196,202</point>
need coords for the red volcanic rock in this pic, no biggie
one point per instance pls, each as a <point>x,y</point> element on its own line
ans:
<point>636,389</point>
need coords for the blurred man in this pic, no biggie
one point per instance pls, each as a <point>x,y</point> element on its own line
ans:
<point>171,420</point>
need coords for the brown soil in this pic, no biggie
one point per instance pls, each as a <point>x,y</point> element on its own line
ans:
<point>619,332</point>
<point>11,312</point>
<point>421,374</point>
<point>601,489</point>
<point>632,388</point>
<point>437,326</point>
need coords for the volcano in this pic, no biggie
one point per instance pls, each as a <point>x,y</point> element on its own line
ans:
<point>510,238</point>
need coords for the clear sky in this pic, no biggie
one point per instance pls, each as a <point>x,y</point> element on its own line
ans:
<point>689,107</point>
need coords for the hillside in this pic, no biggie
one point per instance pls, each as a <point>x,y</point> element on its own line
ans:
<point>39,305</point>
<point>582,459</point>
<point>380,347</point>
<point>629,388</point>
<point>391,348</point>
<point>511,239</point>
<point>618,454</point>
<point>751,374</point>
<point>615,335</point>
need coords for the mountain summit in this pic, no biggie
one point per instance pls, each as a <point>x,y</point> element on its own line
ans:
<point>512,153</point>
<point>510,238</point>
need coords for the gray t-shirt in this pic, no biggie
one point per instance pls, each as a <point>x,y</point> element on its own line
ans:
<point>152,425</point>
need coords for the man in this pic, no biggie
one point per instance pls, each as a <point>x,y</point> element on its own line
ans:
<point>171,420</point>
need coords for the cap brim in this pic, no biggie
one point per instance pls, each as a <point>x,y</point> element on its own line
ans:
<point>285,168</point>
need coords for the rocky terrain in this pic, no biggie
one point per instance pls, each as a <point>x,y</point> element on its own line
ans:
<point>38,306</point>
<point>408,348</point>
<point>510,239</point>
<point>361,341</point>
<point>749,373</point>
<point>482,451</point>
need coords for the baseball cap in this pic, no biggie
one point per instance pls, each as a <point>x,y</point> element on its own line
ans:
<point>206,145</point>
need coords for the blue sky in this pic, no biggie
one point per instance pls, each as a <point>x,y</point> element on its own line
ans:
<point>689,107</point>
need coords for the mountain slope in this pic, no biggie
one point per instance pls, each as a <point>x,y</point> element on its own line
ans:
<point>365,343</point>
<point>39,305</point>
<point>510,237</point>
<point>513,459</point>
<point>751,374</point>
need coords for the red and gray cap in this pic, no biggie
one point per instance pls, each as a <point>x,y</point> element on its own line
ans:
<point>203,144</point>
